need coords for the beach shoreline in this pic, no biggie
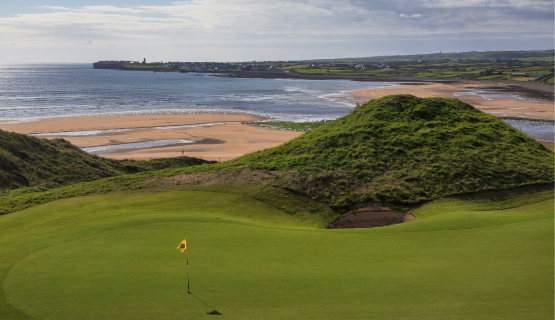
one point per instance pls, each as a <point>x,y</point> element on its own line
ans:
<point>209,136</point>
<point>220,136</point>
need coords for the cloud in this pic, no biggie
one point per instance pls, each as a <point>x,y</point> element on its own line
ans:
<point>317,18</point>
<point>283,25</point>
<point>416,15</point>
<point>108,8</point>
<point>58,8</point>
<point>537,4</point>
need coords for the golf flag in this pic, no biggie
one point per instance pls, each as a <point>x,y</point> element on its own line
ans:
<point>182,246</point>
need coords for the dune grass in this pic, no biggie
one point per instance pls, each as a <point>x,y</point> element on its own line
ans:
<point>27,161</point>
<point>114,257</point>
<point>288,125</point>
<point>402,150</point>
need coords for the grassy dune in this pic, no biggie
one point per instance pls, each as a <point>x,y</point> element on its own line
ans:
<point>402,150</point>
<point>398,151</point>
<point>29,161</point>
<point>114,257</point>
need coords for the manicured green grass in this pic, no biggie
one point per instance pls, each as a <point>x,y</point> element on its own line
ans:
<point>114,257</point>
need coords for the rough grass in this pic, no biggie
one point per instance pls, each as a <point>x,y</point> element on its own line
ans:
<point>287,125</point>
<point>115,257</point>
<point>402,150</point>
<point>28,161</point>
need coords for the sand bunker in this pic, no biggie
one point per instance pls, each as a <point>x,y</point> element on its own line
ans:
<point>371,217</point>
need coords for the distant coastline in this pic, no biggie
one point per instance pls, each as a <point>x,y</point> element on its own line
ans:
<point>229,70</point>
<point>528,72</point>
<point>529,89</point>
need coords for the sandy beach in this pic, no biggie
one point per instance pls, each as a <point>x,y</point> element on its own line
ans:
<point>499,107</point>
<point>210,136</point>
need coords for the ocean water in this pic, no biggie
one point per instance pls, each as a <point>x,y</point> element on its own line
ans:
<point>35,91</point>
<point>540,130</point>
<point>137,145</point>
<point>30,91</point>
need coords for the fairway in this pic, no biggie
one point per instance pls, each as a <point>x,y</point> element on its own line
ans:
<point>114,257</point>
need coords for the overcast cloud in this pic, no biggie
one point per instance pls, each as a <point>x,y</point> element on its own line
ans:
<point>224,30</point>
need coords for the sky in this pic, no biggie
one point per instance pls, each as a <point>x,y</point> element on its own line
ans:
<point>40,31</point>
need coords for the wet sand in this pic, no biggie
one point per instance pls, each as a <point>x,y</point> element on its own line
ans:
<point>500,106</point>
<point>213,136</point>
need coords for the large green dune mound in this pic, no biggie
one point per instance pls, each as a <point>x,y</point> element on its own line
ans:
<point>29,161</point>
<point>397,151</point>
<point>402,150</point>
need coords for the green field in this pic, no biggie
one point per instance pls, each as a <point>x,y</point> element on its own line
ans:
<point>114,257</point>
<point>435,67</point>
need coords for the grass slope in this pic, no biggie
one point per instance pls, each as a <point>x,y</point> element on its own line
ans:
<point>114,257</point>
<point>30,161</point>
<point>403,150</point>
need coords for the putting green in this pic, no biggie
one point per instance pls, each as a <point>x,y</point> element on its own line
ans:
<point>115,257</point>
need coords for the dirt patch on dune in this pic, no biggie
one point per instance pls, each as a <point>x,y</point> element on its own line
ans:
<point>221,177</point>
<point>371,217</point>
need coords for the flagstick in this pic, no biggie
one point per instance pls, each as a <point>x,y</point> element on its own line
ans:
<point>187,255</point>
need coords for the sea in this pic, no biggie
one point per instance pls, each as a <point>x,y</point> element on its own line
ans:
<point>54,90</point>
<point>36,91</point>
